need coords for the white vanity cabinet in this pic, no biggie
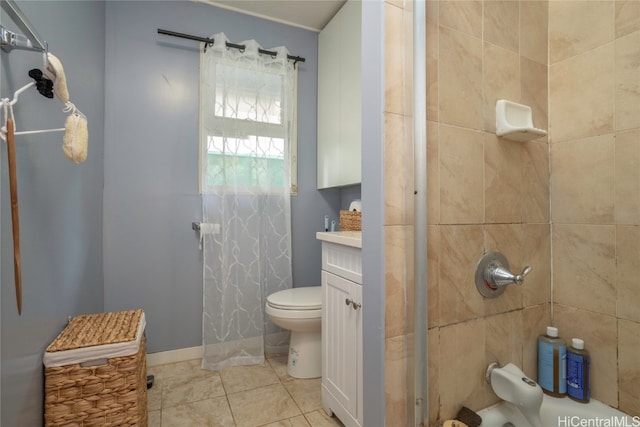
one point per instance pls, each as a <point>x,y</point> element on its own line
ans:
<point>340,98</point>
<point>342,326</point>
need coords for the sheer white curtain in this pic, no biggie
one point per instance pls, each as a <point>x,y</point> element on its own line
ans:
<point>246,126</point>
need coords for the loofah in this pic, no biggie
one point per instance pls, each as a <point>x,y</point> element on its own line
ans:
<point>55,72</point>
<point>76,137</point>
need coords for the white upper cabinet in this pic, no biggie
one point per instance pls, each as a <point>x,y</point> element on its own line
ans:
<point>340,98</point>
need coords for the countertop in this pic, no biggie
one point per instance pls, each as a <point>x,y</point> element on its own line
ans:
<point>347,238</point>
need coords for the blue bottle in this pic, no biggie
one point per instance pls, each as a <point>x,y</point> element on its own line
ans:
<point>578,378</point>
<point>552,363</point>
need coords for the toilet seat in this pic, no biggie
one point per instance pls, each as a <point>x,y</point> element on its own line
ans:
<point>298,299</point>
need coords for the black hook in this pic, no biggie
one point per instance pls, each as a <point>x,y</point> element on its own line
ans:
<point>43,84</point>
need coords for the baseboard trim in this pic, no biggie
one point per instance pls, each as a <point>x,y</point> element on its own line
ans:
<point>173,356</point>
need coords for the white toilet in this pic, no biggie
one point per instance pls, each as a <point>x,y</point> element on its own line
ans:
<point>300,311</point>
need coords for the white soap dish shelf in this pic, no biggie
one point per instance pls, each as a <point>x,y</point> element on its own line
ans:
<point>515,122</point>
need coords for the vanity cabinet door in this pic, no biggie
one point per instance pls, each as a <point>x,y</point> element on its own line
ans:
<point>340,99</point>
<point>342,348</point>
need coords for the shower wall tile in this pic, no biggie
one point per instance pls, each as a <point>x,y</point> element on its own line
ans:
<point>627,80</point>
<point>503,180</point>
<point>461,175</point>
<point>395,387</point>
<point>534,91</point>
<point>627,17</point>
<point>394,59</point>
<point>628,265</point>
<point>462,15</point>
<point>627,177</point>
<point>432,35</point>
<point>504,340</point>
<point>583,180</point>
<point>461,246</point>
<point>501,28</point>
<point>535,182</point>
<point>600,335</point>
<point>581,94</point>
<point>507,239</point>
<point>501,80</point>
<point>578,26</point>
<point>433,173</point>
<point>460,79</point>
<point>536,250</point>
<point>534,22</point>
<point>462,364</point>
<point>584,267</point>
<point>398,156</point>
<point>396,272</point>
<point>433,276</point>
<point>433,382</point>
<point>629,366</point>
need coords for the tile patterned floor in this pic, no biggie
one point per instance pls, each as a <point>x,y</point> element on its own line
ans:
<point>183,395</point>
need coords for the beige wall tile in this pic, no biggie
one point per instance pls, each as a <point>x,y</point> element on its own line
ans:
<point>504,339</point>
<point>396,271</point>
<point>582,180</point>
<point>461,175</point>
<point>534,23</point>
<point>508,240</point>
<point>627,177</point>
<point>629,366</point>
<point>581,95</point>
<point>396,380</point>
<point>503,180</point>
<point>434,374</point>
<point>460,79</point>
<point>394,59</point>
<point>398,176</point>
<point>433,275</point>
<point>600,335</point>
<point>460,250</point>
<point>536,249</point>
<point>534,322</point>
<point>628,265</point>
<point>627,17</point>
<point>432,68</point>
<point>628,81</point>
<point>462,367</point>
<point>535,182</point>
<point>432,12</point>
<point>407,59</point>
<point>433,173</point>
<point>535,91</point>
<point>501,24</point>
<point>501,81</point>
<point>578,26</point>
<point>584,267</point>
<point>462,15</point>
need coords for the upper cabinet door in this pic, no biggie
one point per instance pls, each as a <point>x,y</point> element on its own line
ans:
<point>340,99</point>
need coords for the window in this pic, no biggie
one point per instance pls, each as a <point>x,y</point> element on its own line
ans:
<point>248,138</point>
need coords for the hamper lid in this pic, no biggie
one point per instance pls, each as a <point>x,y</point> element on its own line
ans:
<point>97,336</point>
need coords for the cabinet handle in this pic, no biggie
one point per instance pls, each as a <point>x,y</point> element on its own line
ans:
<point>356,305</point>
<point>348,301</point>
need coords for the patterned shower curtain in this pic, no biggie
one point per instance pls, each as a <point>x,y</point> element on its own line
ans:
<point>247,118</point>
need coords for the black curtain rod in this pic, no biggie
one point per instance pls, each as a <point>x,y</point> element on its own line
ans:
<point>209,42</point>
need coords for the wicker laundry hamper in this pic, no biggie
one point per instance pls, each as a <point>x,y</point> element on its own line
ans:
<point>96,372</point>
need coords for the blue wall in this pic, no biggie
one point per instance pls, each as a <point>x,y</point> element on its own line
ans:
<point>151,255</point>
<point>60,202</point>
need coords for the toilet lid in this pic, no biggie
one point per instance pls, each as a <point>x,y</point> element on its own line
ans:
<point>308,298</point>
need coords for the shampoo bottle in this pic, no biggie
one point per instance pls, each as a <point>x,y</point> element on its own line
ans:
<point>578,380</point>
<point>552,363</point>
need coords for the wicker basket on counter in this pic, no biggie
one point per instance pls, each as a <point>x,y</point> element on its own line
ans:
<point>350,221</point>
<point>109,391</point>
